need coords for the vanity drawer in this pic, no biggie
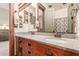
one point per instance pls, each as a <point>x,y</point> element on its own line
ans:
<point>57,51</point>
<point>29,44</point>
<point>30,52</point>
<point>27,47</point>
<point>48,51</point>
<point>45,50</point>
<point>20,41</point>
<point>27,52</point>
<point>61,52</point>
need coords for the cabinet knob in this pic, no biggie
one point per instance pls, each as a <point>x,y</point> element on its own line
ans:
<point>19,41</point>
<point>29,44</point>
<point>29,52</point>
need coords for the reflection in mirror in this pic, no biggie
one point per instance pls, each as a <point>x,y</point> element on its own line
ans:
<point>40,18</point>
<point>25,17</point>
<point>57,17</point>
<point>46,18</point>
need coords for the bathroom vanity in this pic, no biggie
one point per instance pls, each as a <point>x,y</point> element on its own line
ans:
<point>38,45</point>
<point>47,21</point>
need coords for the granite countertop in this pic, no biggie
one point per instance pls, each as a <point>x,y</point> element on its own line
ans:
<point>71,45</point>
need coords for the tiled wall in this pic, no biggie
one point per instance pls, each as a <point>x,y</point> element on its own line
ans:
<point>61,24</point>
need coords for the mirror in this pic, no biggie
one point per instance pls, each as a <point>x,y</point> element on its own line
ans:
<point>57,17</point>
<point>46,17</point>
<point>25,17</point>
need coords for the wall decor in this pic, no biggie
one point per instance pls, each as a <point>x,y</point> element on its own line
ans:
<point>25,16</point>
<point>20,22</point>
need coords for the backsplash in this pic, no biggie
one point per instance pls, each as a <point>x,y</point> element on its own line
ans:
<point>61,24</point>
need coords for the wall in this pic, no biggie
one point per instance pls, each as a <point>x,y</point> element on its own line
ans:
<point>61,20</point>
<point>61,13</point>
<point>49,19</point>
<point>69,19</point>
<point>51,15</point>
<point>4,17</point>
<point>77,24</point>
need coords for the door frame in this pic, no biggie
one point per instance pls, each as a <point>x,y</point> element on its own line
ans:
<point>11,29</point>
<point>40,6</point>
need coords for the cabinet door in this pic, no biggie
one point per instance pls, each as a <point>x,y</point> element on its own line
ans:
<point>29,48</point>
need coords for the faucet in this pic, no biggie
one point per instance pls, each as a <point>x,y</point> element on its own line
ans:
<point>33,31</point>
<point>58,34</point>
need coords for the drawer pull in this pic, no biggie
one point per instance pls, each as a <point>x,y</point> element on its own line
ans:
<point>29,44</point>
<point>19,41</point>
<point>29,52</point>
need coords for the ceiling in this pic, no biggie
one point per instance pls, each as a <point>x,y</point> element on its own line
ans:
<point>4,5</point>
<point>56,6</point>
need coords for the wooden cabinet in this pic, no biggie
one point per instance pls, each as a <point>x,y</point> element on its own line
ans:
<point>25,47</point>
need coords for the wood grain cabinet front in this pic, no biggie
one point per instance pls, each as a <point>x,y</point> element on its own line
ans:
<point>27,47</point>
<point>19,48</point>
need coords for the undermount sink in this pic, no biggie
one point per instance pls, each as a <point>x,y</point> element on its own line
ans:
<point>56,40</point>
<point>40,36</point>
<point>49,38</point>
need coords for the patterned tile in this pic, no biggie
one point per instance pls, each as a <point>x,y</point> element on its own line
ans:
<point>61,24</point>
